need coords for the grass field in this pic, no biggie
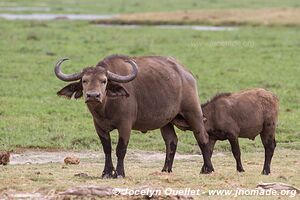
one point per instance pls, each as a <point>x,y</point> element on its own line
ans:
<point>31,115</point>
<point>129,6</point>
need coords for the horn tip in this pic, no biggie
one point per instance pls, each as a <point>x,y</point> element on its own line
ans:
<point>62,60</point>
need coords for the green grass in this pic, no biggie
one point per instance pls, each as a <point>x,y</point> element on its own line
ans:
<point>31,115</point>
<point>129,6</point>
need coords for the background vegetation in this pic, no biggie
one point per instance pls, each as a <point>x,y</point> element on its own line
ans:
<point>136,6</point>
<point>31,115</point>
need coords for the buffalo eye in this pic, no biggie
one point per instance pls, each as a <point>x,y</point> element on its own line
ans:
<point>84,81</point>
<point>103,82</point>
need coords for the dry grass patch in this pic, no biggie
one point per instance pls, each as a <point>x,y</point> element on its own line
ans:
<point>272,16</point>
<point>57,177</point>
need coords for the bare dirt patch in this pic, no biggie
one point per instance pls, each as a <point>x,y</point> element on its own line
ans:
<point>274,16</point>
<point>43,157</point>
<point>192,27</point>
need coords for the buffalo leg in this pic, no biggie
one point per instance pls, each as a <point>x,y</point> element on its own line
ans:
<point>121,152</point>
<point>106,144</point>
<point>235,148</point>
<point>170,138</point>
<point>268,140</point>
<point>108,168</point>
<point>212,143</point>
<point>196,123</point>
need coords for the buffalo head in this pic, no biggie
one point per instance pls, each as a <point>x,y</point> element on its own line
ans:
<point>94,83</point>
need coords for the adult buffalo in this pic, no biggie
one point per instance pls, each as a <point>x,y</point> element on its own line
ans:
<point>139,93</point>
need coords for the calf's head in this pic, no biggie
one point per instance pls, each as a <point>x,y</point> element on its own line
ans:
<point>94,83</point>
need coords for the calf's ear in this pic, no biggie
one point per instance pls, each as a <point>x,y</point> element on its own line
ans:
<point>116,90</point>
<point>71,90</point>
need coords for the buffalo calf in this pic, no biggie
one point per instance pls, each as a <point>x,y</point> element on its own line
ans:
<point>243,114</point>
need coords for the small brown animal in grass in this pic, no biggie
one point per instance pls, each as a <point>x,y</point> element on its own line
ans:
<point>243,114</point>
<point>71,160</point>
<point>4,158</point>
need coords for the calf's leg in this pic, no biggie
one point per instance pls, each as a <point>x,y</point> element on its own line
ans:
<point>170,138</point>
<point>235,148</point>
<point>268,139</point>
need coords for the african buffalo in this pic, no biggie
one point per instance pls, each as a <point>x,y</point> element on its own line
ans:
<point>139,93</point>
<point>243,114</point>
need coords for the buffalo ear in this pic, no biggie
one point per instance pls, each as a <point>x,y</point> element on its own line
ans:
<point>73,89</point>
<point>116,90</point>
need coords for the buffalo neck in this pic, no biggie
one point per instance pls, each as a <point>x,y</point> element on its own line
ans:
<point>97,109</point>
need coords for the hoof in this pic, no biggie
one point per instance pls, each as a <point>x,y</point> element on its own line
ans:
<point>119,176</point>
<point>206,170</point>
<point>241,170</point>
<point>107,175</point>
<point>165,170</point>
<point>265,172</point>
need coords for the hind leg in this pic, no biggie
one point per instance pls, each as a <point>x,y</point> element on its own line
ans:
<point>170,138</point>
<point>195,120</point>
<point>268,139</point>
<point>211,143</point>
<point>235,148</point>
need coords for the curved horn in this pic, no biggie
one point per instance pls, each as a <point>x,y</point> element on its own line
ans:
<point>124,79</point>
<point>65,77</point>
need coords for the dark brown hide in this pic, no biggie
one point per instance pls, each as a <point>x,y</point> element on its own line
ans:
<point>243,114</point>
<point>4,158</point>
<point>162,91</point>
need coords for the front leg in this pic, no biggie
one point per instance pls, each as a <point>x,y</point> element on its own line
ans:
<point>108,171</point>
<point>124,134</point>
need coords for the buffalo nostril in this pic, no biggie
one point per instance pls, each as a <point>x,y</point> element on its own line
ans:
<point>93,94</point>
